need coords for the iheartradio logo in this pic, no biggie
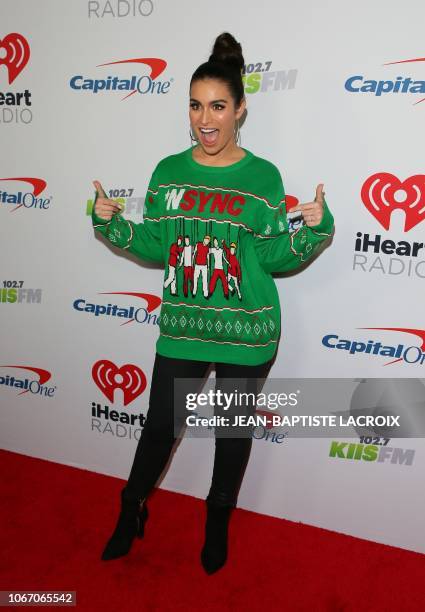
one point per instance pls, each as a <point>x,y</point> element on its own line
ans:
<point>383,192</point>
<point>129,378</point>
<point>14,54</point>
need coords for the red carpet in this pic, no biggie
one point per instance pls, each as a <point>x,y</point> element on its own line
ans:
<point>55,521</point>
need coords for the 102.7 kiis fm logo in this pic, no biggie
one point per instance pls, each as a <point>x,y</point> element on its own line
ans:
<point>14,292</point>
<point>258,77</point>
<point>371,449</point>
<point>380,444</point>
<point>132,205</point>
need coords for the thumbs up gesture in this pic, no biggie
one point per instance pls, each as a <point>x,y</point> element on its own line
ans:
<point>104,207</point>
<point>312,212</point>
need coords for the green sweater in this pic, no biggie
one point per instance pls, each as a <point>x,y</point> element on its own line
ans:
<point>220,232</point>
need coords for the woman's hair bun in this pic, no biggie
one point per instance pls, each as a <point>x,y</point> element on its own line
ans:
<point>228,51</point>
<point>226,63</point>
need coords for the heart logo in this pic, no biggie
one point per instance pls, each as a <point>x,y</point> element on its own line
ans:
<point>383,192</point>
<point>269,417</point>
<point>17,54</point>
<point>290,202</point>
<point>130,378</point>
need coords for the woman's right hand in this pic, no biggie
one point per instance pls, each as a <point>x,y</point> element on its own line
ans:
<point>105,208</point>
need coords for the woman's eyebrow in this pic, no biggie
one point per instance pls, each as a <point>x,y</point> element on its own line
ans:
<point>212,102</point>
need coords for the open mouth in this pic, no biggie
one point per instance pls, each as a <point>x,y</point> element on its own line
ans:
<point>209,136</point>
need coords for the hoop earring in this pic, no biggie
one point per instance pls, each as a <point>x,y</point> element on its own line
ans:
<point>238,133</point>
<point>192,137</point>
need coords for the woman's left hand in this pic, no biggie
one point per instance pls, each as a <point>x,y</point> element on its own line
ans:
<point>312,212</point>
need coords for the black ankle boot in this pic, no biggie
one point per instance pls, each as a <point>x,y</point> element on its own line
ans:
<point>131,523</point>
<point>214,551</point>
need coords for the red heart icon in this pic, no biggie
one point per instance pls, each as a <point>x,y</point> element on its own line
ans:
<point>290,202</point>
<point>17,54</point>
<point>379,196</point>
<point>133,381</point>
<point>268,415</point>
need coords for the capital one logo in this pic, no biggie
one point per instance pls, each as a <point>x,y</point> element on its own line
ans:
<point>35,387</point>
<point>20,197</point>
<point>382,193</point>
<point>147,84</point>
<point>129,378</point>
<point>14,54</point>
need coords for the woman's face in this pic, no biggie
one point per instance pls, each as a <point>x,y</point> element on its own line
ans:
<point>213,115</point>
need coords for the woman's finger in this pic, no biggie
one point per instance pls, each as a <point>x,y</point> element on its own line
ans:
<point>99,189</point>
<point>109,205</point>
<point>309,206</point>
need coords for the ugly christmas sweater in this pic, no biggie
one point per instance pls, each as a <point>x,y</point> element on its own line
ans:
<point>220,233</point>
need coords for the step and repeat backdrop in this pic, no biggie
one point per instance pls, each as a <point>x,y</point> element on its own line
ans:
<point>98,90</point>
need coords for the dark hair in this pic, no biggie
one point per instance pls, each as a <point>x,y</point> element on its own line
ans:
<point>225,64</point>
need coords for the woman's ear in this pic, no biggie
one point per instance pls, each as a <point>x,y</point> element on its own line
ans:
<point>242,107</point>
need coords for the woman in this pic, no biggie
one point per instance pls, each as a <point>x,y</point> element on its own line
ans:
<point>219,211</point>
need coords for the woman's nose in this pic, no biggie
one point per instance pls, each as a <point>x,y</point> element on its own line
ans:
<point>205,115</point>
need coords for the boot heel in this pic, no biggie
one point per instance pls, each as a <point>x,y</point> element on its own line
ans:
<point>141,519</point>
<point>214,551</point>
<point>131,523</point>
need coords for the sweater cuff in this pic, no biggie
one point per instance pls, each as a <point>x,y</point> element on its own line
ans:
<point>327,222</point>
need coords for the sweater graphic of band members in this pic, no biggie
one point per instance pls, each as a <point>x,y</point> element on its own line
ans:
<point>203,266</point>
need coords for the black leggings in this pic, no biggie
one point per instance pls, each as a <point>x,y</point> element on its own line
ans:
<point>159,435</point>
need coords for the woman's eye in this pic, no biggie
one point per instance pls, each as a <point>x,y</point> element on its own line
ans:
<point>218,106</point>
<point>194,105</point>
